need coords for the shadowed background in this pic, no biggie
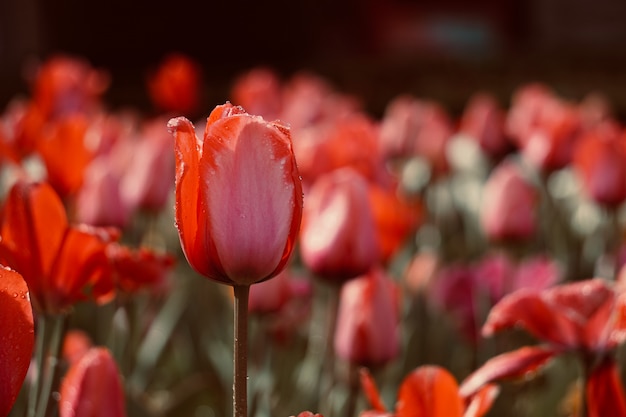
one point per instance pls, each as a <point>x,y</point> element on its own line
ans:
<point>376,49</point>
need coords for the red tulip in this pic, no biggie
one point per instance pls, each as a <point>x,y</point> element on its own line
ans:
<point>16,336</point>
<point>600,161</point>
<point>76,344</point>
<point>367,321</point>
<point>259,91</point>
<point>429,391</point>
<point>175,85</point>
<point>58,261</point>
<point>509,204</point>
<point>92,387</point>
<point>338,238</point>
<point>586,318</point>
<point>483,121</point>
<point>238,196</point>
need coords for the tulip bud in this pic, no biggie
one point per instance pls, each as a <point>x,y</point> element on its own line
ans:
<point>238,196</point>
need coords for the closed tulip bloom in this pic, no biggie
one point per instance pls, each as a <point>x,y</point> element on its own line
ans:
<point>92,387</point>
<point>338,239</point>
<point>367,322</point>
<point>509,204</point>
<point>238,196</point>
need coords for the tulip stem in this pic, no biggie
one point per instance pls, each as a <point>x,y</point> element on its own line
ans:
<point>240,350</point>
<point>50,363</point>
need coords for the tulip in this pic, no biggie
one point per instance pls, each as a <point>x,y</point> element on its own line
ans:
<point>174,86</point>
<point>16,336</point>
<point>238,209</point>
<point>58,261</point>
<point>429,390</point>
<point>92,387</point>
<point>339,239</point>
<point>367,322</point>
<point>585,318</point>
<point>483,121</point>
<point>238,196</point>
<point>509,205</point>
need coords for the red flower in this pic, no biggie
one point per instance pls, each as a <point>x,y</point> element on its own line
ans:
<point>600,161</point>
<point>509,205</point>
<point>58,261</point>
<point>483,121</point>
<point>16,336</point>
<point>238,196</point>
<point>175,85</point>
<point>587,317</point>
<point>92,387</point>
<point>367,321</point>
<point>429,391</point>
<point>338,238</point>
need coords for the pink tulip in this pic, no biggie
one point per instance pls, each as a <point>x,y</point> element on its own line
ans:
<point>238,196</point>
<point>338,237</point>
<point>92,387</point>
<point>367,322</point>
<point>509,204</point>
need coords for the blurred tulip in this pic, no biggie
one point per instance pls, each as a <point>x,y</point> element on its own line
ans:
<point>429,391</point>
<point>238,196</point>
<point>16,336</point>
<point>338,240</point>
<point>92,387</point>
<point>509,206</point>
<point>133,270</point>
<point>483,121</point>
<point>585,317</point>
<point>147,178</point>
<point>176,84</point>
<point>75,344</point>
<point>367,322</point>
<point>58,261</point>
<point>259,92</point>
<point>600,161</point>
<point>544,127</point>
<point>272,295</point>
<point>66,153</point>
<point>66,84</point>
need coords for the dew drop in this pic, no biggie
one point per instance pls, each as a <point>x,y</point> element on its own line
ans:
<point>15,295</point>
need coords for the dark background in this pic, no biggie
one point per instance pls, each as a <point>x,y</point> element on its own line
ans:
<point>376,49</point>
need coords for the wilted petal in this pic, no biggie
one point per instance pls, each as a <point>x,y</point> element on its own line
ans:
<point>16,336</point>
<point>429,391</point>
<point>605,392</point>
<point>510,365</point>
<point>92,387</point>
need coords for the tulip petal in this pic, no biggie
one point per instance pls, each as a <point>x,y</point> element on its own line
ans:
<point>92,387</point>
<point>190,208</point>
<point>371,391</point>
<point>527,309</point>
<point>482,401</point>
<point>16,336</point>
<point>32,230</point>
<point>247,168</point>
<point>513,364</point>
<point>605,392</point>
<point>429,391</point>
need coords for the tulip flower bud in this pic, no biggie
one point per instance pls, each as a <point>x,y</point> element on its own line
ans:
<point>338,239</point>
<point>238,196</point>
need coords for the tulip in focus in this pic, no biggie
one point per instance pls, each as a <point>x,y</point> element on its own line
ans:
<point>509,204</point>
<point>338,238</point>
<point>92,387</point>
<point>16,337</point>
<point>367,322</point>
<point>238,196</point>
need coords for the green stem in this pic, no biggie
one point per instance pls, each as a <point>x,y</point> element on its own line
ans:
<point>35,386</point>
<point>51,361</point>
<point>240,347</point>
